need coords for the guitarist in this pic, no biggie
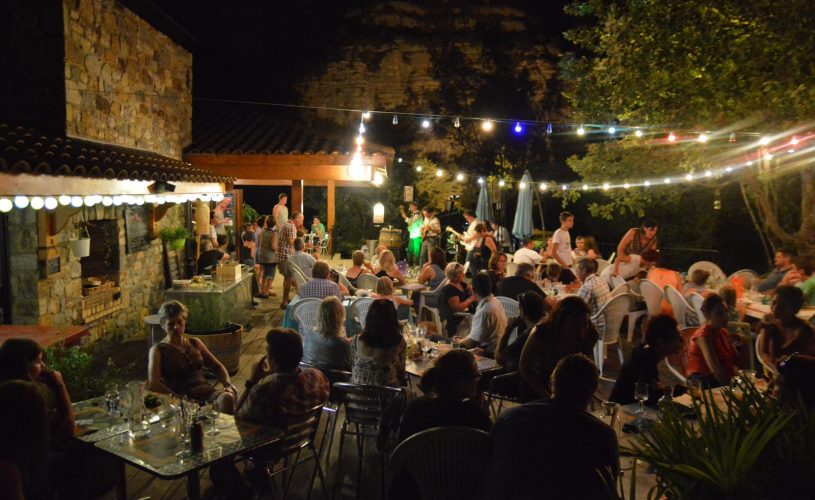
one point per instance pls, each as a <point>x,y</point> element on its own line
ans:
<point>414,223</point>
<point>470,236</point>
<point>430,231</point>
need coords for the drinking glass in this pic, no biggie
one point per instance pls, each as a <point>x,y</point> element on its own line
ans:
<point>641,395</point>
<point>214,413</point>
<point>421,330</point>
<point>426,347</point>
<point>695,389</point>
<point>112,400</point>
<point>610,409</point>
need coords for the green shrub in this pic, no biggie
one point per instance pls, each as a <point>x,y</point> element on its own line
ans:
<point>168,234</point>
<point>81,377</point>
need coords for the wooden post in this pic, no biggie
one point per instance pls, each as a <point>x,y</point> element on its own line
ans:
<point>329,222</point>
<point>296,196</point>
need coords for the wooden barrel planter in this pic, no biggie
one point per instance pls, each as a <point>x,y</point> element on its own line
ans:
<point>224,344</point>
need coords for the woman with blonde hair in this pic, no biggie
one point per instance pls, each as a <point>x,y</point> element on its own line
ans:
<point>387,267</point>
<point>384,290</point>
<point>327,347</point>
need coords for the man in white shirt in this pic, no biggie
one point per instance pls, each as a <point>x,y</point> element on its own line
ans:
<point>527,255</point>
<point>562,241</point>
<point>489,321</point>
<point>431,229</point>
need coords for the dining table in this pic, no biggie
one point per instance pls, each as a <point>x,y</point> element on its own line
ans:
<point>416,366</point>
<point>755,307</point>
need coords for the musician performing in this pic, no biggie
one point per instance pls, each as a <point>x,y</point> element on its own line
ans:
<point>414,225</point>
<point>469,237</point>
<point>430,231</point>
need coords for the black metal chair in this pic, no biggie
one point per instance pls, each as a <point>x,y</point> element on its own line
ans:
<point>502,388</point>
<point>374,411</point>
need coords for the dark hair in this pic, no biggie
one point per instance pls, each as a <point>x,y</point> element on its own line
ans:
<point>437,257</point>
<point>320,270</point>
<point>429,209</point>
<point>648,223</point>
<point>789,252</point>
<point>797,379</point>
<point>493,262</point>
<point>382,329</point>
<point>469,212</point>
<point>222,240</point>
<point>566,309</point>
<point>711,303</point>
<point>587,265</point>
<point>285,347</point>
<point>699,276</point>
<point>661,328</point>
<point>248,235</point>
<point>270,222</point>
<point>805,264</point>
<point>16,356</point>
<point>480,227</point>
<point>358,257</point>
<point>261,221</point>
<point>532,305</point>
<point>482,284</point>
<point>654,256</point>
<point>574,380</point>
<point>553,269</point>
<point>449,373</point>
<point>564,216</point>
<point>281,196</point>
<point>524,268</point>
<point>296,215</point>
<point>791,297</point>
<point>728,294</point>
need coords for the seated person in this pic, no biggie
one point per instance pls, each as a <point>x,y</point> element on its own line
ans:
<point>450,397</point>
<point>248,244</point>
<point>784,333</point>
<point>387,267</point>
<point>735,310</point>
<point>320,286</point>
<point>358,269</point>
<point>24,438</point>
<point>801,275</point>
<point>489,320</point>
<point>594,290</point>
<point>334,277</point>
<point>556,275</point>
<point>455,297</point>
<point>432,273</point>
<point>662,339</point>
<point>378,353</point>
<point>586,246</point>
<point>783,264</point>
<point>554,448</point>
<point>522,282</point>
<point>711,357</point>
<point>302,259</point>
<point>697,283</point>
<point>327,347</point>
<point>209,260</point>
<point>527,254</point>
<point>532,308</point>
<point>384,290</point>
<point>497,268</point>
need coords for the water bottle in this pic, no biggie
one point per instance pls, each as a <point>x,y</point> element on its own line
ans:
<point>196,436</point>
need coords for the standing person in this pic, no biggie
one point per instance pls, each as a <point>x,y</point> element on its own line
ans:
<point>483,248</point>
<point>471,235</point>
<point>594,290</point>
<point>431,229</point>
<point>414,221</point>
<point>783,264</point>
<point>260,225</point>
<point>267,256</point>
<point>562,241</point>
<point>209,260</point>
<point>636,241</point>
<point>285,248</point>
<point>219,218</point>
<point>280,212</point>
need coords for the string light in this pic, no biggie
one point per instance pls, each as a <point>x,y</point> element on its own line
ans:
<point>361,128</point>
<point>37,202</point>
<point>395,120</point>
<point>518,128</point>
<point>418,168</point>
<point>794,141</point>
<point>702,138</point>
<point>581,131</point>
<point>487,125</point>
<point>626,185</point>
<point>671,137</point>
<point>764,141</point>
<point>21,201</point>
<point>585,187</point>
<point>638,133</point>
<point>76,201</point>
<point>522,185</point>
<point>501,183</point>
<point>542,186</point>
<point>647,183</point>
<point>64,200</point>
<point>456,122</point>
<point>667,180</point>
<point>606,186</point>
<point>51,203</point>
<point>768,157</point>
<point>366,115</point>
<point>612,130</point>
<point>689,177</point>
<point>564,187</point>
<point>425,123</point>
<point>6,205</point>
<point>481,181</point>
<point>439,173</point>
<point>459,177</point>
<point>117,200</point>
<point>548,129</point>
<point>708,173</point>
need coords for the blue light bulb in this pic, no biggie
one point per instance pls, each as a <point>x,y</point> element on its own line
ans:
<point>518,128</point>
<point>549,129</point>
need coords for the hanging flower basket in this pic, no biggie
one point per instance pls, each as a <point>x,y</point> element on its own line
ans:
<point>178,244</point>
<point>174,237</point>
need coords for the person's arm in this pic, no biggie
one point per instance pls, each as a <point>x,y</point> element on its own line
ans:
<point>491,244</point>
<point>154,382</point>
<point>705,344</point>
<point>399,278</point>
<point>592,254</point>
<point>53,380</point>
<point>216,366</point>
<point>426,275</point>
<point>458,305</point>
<point>770,283</point>
<point>259,371</point>
<point>530,353</point>
<point>503,343</point>
<point>622,256</point>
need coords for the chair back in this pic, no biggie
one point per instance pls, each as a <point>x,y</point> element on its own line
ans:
<point>359,309</point>
<point>305,312</point>
<point>511,307</point>
<point>613,312</point>
<point>443,462</point>
<point>716,273</point>
<point>601,264</point>
<point>615,281</point>
<point>678,363</point>
<point>344,281</point>
<point>324,243</point>
<point>299,432</point>
<point>611,257</point>
<point>749,277</point>
<point>512,268</point>
<point>431,298</point>
<point>653,296</point>
<point>366,404</point>
<point>679,305</point>
<point>624,287</point>
<point>367,281</point>
<point>299,277</point>
<point>695,300</point>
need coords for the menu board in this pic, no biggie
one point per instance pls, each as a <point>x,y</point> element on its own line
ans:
<point>136,228</point>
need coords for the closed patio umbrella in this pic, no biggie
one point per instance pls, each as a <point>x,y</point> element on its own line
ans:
<point>522,227</point>
<point>483,209</point>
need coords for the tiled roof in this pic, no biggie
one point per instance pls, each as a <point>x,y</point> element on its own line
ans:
<point>27,151</point>
<point>220,128</point>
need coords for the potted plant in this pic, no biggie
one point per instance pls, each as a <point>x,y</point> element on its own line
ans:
<point>174,237</point>
<point>208,321</point>
<point>81,241</point>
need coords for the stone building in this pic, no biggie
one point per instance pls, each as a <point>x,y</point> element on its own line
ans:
<point>95,105</point>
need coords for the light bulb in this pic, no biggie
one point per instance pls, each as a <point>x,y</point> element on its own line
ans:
<point>150,198</point>
<point>702,138</point>
<point>689,177</point>
<point>501,183</point>
<point>64,200</point>
<point>487,125</point>
<point>638,133</point>
<point>481,180</point>
<point>456,122</point>
<point>117,200</point>
<point>366,115</point>
<point>139,200</point>
<point>768,157</point>
<point>671,137</point>
<point>5,205</point>
<point>564,187</point>
<point>161,200</point>
<point>647,183</point>
<point>626,185</point>
<point>585,187</point>
<point>395,120</point>
<point>439,173</point>
<point>606,185</point>
<point>708,173</point>
<point>794,140</point>
<point>612,130</point>
<point>459,177</point>
<point>548,129</point>
<point>667,180</point>
<point>360,140</point>
<point>378,179</point>
<point>21,201</point>
<point>542,186</point>
<point>76,201</point>
<point>764,141</point>
<point>361,128</point>
<point>728,169</point>
<point>107,201</point>
<point>418,168</point>
<point>37,202</point>
<point>89,201</point>
<point>51,203</point>
<point>399,160</point>
<point>522,185</point>
<point>518,128</point>
<point>425,123</point>
<point>581,130</point>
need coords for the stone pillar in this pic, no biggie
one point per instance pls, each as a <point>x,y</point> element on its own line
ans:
<point>23,270</point>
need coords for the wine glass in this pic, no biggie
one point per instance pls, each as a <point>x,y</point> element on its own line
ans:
<point>421,330</point>
<point>214,413</point>
<point>641,395</point>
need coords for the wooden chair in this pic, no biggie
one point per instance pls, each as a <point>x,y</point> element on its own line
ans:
<point>613,313</point>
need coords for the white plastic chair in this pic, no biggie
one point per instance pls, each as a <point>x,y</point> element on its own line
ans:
<point>511,307</point>
<point>615,281</point>
<point>305,312</point>
<point>653,295</point>
<point>344,281</point>
<point>367,281</point>
<point>747,275</point>
<point>601,264</point>
<point>623,287</point>
<point>611,257</point>
<point>613,313</point>
<point>512,268</point>
<point>633,315</point>
<point>681,359</point>
<point>695,300</point>
<point>716,273</point>
<point>429,306</point>
<point>679,305</point>
<point>359,309</point>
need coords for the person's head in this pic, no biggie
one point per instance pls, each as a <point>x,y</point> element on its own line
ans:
<point>469,215</point>
<point>553,271</point>
<point>172,316</point>
<point>529,243</point>
<point>453,376</point>
<point>299,245</point>
<point>652,257</point>
<point>796,379</point>
<point>482,285</point>
<point>699,277</point>
<point>384,286</point>
<point>525,270</point>
<point>728,294</point>
<point>261,221</point>
<point>387,261</point>
<point>271,222</point>
<point>282,198</point>
<point>428,211</point>
<point>580,243</point>
<point>715,310</point>
<point>437,257</point>
<point>21,359</point>
<point>589,243</point>
<point>382,329</point>
<point>566,220</point>
<point>454,272</point>
<point>222,241</point>
<point>783,258</point>
<point>315,221</point>
<point>497,262</point>
<point>297,218</point>
<point>574,381</point>
<point>320,270</point>
<point>331,317</point>
<point>413,206</point>
<point>248,236</point>
<point>532,306</point>
<point>379,249</point>
<point>284,349</point>
<point>481,228</point>
<point>788,300</point>
<point>585,268</point>
<point>358,258</point>
<point>570,317</point>
<point>648,227</point>
<point>805,266</point>
<point>662,334</point>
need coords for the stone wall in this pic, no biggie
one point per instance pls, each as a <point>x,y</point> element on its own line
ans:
<point>126,83</point>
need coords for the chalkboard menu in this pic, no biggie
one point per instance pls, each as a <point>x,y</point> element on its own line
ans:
<point>136,228</point>
<point>104,254</point>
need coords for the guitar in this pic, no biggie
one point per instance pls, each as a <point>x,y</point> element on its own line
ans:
<point>455,233</point>
<point>460,236</point>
